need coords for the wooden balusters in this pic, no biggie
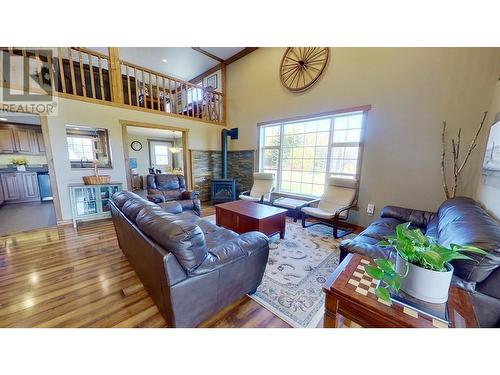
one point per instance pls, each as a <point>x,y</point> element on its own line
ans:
<point>101,80</point>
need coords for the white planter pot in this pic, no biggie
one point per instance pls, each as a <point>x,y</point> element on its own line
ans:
<point>427,285</point>
<point>21,168</point>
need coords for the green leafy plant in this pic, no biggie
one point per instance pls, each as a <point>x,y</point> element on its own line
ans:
<point>416,248</point>
<point>19,161</point>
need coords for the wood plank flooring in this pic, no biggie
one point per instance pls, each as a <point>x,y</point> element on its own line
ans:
<point>61,277</point>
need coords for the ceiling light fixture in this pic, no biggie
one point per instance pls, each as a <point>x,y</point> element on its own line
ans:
<point>164,60</point>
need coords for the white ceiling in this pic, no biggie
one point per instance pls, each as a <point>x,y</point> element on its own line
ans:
<point>182,62</point>
<point>153,132</point>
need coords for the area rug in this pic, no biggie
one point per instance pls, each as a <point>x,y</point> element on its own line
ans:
<point>296,271</point>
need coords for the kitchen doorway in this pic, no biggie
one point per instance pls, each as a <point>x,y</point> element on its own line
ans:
<point>26,189</point>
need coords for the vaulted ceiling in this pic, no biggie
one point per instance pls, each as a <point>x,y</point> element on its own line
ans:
<point>180,62</point>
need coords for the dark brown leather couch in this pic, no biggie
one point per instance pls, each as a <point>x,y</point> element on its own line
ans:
<point>171,187</point>
<point>459,220</point>
<point>190,267</point>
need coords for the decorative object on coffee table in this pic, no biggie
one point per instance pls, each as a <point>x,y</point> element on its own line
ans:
<point>244,216</point>
<point>351,300</point>
<point>422,265</point>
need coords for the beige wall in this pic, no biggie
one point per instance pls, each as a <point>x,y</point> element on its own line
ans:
<point>73,112</point>
<point>411,91</point>
<point>6,159</point>
<point>488,195</point>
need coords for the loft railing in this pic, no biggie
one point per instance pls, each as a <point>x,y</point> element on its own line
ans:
<point>156,91</point>
<point>82,73</point>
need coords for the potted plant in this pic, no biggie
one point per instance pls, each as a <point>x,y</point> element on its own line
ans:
<point>422,267</point>
<point>20,163</point>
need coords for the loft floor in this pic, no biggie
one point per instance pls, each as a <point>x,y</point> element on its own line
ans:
<point>61,277</point>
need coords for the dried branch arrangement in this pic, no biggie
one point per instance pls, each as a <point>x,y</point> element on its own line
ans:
<point>457,165</point>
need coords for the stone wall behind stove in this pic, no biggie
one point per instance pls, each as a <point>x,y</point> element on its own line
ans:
<point>207,165</point>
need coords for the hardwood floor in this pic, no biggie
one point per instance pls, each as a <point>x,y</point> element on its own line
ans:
<point>61,277</point>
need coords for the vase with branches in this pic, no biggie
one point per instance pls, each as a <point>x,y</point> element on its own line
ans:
<point>458,165</point>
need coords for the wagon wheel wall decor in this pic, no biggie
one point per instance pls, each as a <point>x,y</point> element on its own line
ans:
<point>302,66</point>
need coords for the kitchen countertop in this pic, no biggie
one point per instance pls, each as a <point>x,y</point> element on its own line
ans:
<point>28,169</point>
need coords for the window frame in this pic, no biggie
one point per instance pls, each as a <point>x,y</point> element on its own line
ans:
<point>92,144</point>
<point>331,144</point>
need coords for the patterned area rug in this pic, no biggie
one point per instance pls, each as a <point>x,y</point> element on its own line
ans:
<point>296,271</point>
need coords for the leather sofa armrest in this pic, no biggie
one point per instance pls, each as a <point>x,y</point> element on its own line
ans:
<point>190,195</point>
<point>246,245</point>
<point>418,218</point>
<point>156,198</point>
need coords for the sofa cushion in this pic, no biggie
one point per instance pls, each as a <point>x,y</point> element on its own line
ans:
<point>463,221</point>
<point>215,238</point>
<point>381,228</point>
<point>171,207</point>
<point>183,238</point>
<point>167,182</point>
<point>121,197</point>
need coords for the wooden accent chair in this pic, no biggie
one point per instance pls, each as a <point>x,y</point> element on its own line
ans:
<point>263,186</point>
<point>339,197</point>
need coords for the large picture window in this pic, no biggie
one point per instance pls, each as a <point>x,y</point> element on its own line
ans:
<point>304,153</point>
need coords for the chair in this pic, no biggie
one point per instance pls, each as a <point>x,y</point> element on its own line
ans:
<point>263,186</point>
<point>166,187</point>
<point>339,197</point>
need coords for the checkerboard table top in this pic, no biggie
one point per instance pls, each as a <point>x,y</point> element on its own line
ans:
<point>355,285</point>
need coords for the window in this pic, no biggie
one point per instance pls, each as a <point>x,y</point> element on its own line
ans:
<point>81,147</point>
<point>195,94</point>
<point>303,154</point>
<point>161,154</point>
<point>87,146</point>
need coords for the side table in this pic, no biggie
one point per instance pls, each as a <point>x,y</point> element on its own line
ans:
<point>351,301</point>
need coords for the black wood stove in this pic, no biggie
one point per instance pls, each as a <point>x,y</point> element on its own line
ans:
<point>224,189</point>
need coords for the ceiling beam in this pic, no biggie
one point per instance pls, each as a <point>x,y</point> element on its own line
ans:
<point>240,54</point>
<point>206,53</point>
<point>230,60</point>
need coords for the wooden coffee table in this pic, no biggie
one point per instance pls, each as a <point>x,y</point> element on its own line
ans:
<point>351,301</point>
<point>243,216</point>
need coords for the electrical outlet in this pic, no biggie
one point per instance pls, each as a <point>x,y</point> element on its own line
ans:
<point>370,209</point>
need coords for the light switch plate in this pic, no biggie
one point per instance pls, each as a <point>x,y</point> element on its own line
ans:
<point>370,209</point>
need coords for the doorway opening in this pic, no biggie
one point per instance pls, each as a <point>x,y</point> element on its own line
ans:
<point>153,149</point>
<point>26,191</point>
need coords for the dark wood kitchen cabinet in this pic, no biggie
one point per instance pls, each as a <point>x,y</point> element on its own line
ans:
<point>20,187</point>
<point>27,140</point>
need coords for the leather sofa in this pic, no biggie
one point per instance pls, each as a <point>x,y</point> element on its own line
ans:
<point>171,187</point>
<point>190,267</point>
<point>459,220</point>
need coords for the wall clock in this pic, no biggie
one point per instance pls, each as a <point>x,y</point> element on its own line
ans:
<point>302,66</point>
<point>136,146</point>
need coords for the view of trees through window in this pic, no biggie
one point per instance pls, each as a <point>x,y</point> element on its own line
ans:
<point>303,154</point>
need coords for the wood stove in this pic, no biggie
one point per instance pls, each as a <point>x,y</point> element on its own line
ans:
<point>224,189</point>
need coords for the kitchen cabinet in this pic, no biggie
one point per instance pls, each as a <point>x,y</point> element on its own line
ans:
<point>7,141</point>
<point>20,187</point>
<point>15,139</point>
